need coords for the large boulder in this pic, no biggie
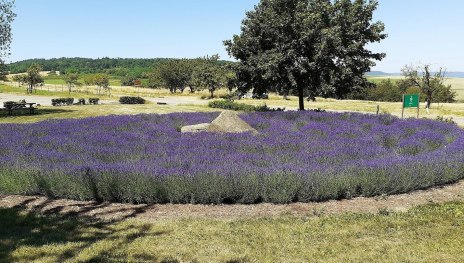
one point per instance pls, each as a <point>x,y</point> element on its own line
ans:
<point>226,122</point>
<point>196,128</point>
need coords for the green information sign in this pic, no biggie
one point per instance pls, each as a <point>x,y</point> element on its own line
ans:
<point>411,101</point>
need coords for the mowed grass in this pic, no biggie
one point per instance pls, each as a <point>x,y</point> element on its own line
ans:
<point>85,111</point>
<point>431,233</point>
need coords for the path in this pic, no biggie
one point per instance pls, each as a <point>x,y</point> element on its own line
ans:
<point>114,211</point>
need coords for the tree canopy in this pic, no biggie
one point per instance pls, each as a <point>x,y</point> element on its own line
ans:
<point>33,77</point>
<point>6,18</point>
<point>310,47</point>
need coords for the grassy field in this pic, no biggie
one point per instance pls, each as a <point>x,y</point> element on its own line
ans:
<point>84,111</point>
<point>431,233</point>
<point>57,80</point>
<point>437,109</point>
<point>43,91</point>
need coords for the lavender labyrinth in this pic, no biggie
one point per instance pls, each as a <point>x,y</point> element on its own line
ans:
<point>296,157</point>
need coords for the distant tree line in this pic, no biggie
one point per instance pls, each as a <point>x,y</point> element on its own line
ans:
<point>121,67</point>
<point>113,66</point>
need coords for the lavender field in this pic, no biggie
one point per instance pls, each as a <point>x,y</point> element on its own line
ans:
<point>296,157</point>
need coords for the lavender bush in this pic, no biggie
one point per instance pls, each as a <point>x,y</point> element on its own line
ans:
<point>297,156</point>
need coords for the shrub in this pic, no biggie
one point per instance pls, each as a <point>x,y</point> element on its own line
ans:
<point>62,101</point>
<point>94,101</point>
<point>131,100</point>
<point>9,104</point>
<point>386,90</point>
<point>230,105</point>
<point>81,101</point>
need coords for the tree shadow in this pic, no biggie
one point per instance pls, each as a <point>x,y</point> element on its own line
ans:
<point>37,112</point>
<point>35,224</point>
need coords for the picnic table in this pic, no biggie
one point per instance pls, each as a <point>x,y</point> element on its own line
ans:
<point>17,106</point>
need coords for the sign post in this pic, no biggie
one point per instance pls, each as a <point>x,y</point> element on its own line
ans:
<point>410,101</point>
<point>138,84</point>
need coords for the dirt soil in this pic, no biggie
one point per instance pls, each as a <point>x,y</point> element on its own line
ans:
<point>114,211</point>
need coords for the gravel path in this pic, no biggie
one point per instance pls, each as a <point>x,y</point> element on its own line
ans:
<point>114,211</point>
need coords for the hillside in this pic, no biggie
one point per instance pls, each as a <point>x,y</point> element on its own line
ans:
<point>114,66</point>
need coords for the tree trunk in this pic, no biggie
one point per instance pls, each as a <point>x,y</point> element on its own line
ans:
<point>211,90</point>
<point>428,101</point>
<point>301,98</point>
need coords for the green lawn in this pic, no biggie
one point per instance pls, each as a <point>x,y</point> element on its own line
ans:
<point>84,111</point>
<point>432,233</point>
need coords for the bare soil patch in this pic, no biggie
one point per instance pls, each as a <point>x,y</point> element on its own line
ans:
<point>115,211</point>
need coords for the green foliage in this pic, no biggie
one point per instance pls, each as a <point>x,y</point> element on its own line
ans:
<point>309,47</point>
<point>230,105</point>
<point>209,74</point>
<point>94,101</point>
<point>128,80</point>
<point>172,74</point>
<point>431,84</point>
<point>6,18</point>
<point>114,66</point>
<point>33,77</point>
<point>71,80</point>
<point>62,102</point>
<point>386,90</point>
<point>131,100</point>
<point>392,90</point>
<point>103,82</point>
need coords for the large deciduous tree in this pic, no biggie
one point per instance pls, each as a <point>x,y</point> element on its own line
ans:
<point>6,18</point>
<point>173,74</point>
<point>309,47</point>
<point>208,74</point>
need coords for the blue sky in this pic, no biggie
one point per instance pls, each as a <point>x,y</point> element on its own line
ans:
<point>420,31</point>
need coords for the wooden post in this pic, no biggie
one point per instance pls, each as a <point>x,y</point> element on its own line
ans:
<point>418,106</point>
<point>402,108</point>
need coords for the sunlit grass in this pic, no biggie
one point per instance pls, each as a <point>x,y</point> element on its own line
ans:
<point>85,111</point>
<point>437,109</point>
<point>432,233</point>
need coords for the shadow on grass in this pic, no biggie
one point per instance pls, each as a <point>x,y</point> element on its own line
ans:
<point>33,225</point>
<point>38,112</point>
